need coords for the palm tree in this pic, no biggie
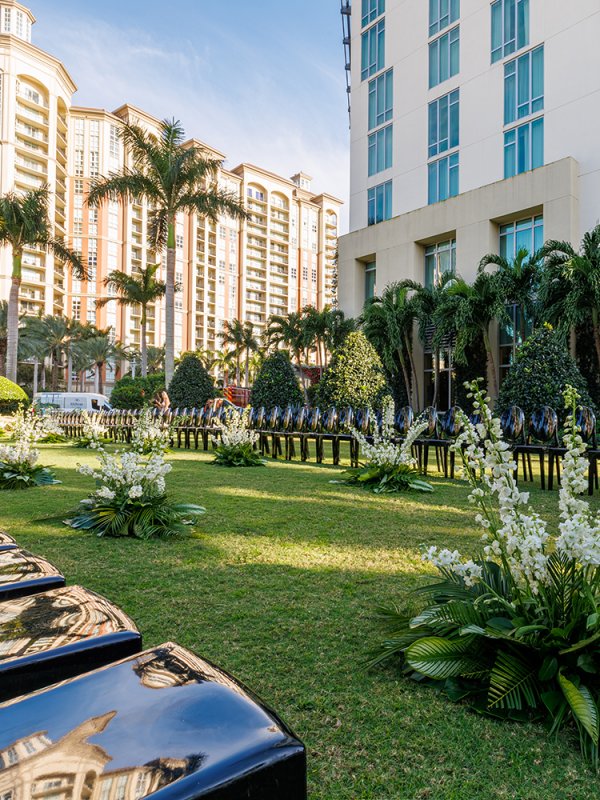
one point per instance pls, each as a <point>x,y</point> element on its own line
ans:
<point>24,223</point>
<point>233,337</point>
<point>250,344</point>
<point>388,323</point>
<point>337,329</point>
<point>138,289</point>
<point>466,312</point>
<point>570,285</point>
<point>156,358</point>
<point>94,353</point>
<point>519,281</point>
<point>173,177</point>
<point>3,335</point>
<point>292,331</point>
<point>53,335</point>
<point>221,360</point>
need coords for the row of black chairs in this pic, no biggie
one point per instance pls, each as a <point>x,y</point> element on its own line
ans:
<point>164,714</point>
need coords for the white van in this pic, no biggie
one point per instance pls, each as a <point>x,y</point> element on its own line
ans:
<point>70,401</point>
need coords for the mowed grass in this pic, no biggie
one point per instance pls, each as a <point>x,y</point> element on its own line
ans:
<point>279,586</point>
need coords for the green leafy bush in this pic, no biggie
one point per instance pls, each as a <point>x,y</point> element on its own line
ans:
<point>276,383</point>
<point>191,386</point>
<point>355,376</point>
<point>136,392</point>
<point>543,368</point>
<point>11,395</point>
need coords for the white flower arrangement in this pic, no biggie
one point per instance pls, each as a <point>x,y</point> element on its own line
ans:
<point>235,442</point>
<point>150,435</point>
<point>130,498</point>
<point>18,463</point>
<point>93,431</point>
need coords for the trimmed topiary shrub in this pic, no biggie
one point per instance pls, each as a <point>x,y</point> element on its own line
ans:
<point>191,386</point>
<point>10,396</point>
<point>276,383</point>
<point>543,367</point>
<point>355,376</point>
<point>136,392</point>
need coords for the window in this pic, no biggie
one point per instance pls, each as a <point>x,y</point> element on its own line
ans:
<point>524,86</point>
<point>79,163</point>
<point>524,234</point>
<point>380,150</point>
<point>371,9</point>
<point>78,186</point>
<point>373,50</point>
<point>524,148</point>
<point>441,14</point>
<point>381,99</point>
<point>19,26</point>
<point>7,13</point>
<point>510,27</point>
<point>444,57</point>
<point>370,279</point>
<point>380,203</point>
<point>443,178</point>
<point>512,333</point>
<point>440,258</point>
<point>443,123</point>
<point>114,141</point>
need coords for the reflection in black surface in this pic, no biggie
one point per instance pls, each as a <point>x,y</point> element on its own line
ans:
<point>54,619</point>
<point>6,542</point>
<point>19,565</point>
<point>126,730</point>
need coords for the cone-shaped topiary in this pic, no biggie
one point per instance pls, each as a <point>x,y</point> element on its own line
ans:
<point>191,386</point>
<point>276,383</point>
<point>11,395</point>
<point>355,376</point>
<point>543,367</point>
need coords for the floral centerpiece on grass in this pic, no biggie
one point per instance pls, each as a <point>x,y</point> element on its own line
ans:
<point>93,431</point>
<point>388,466</point>
<point>51,431</point>
<point>235,444</point>
<point>514,632</point>
<point>131,498</point>
<point>18,463</point>
<point>150,435</point>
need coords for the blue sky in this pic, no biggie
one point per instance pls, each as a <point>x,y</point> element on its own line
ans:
<point>262,80</point>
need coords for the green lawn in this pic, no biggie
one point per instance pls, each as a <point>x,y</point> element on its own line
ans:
<point>279,586</point>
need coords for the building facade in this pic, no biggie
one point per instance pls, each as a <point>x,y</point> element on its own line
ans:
<point>471,132</point>
<point>279,260</point>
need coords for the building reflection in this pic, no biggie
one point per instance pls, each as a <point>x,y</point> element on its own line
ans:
<point>72,768</point>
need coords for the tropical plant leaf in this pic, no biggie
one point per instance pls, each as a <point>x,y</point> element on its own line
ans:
<point>440,658</point>
<point>513,682</point>
<point>582,705</point>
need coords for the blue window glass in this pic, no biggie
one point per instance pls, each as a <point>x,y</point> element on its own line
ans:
<point>380,203</point>
<point>381,99</point>
<point>510,27</point>
<point>524,148</point>
<point>380,150</point>
<point>443,178</point>
<point>373,50</point>
<point>441,14</point>
<point>444,57</point>
<point>440,259</point>
<point>524,234</point>
<point>371,9</point>
<point>524,86</point>
<point>444,124</point>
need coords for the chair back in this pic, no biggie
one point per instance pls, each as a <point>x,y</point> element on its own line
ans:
<point>585,422</point>
<point>451,423</point>
<point>543,425</point>
<point>404,419</point>
<point>512,423</point>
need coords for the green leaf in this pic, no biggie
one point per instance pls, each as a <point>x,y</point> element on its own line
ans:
<point>582,705</point>
<point>512,683</point>
<point>440,658</point>
<point>548,669</point>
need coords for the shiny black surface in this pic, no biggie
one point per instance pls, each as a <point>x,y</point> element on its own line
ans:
<point>6,542</point>
<point>22,573</point>
<point>512,423</point>
<point>585,421</point>
<point>164,722</point>
<point>543,425</point>
<point>50,636</point>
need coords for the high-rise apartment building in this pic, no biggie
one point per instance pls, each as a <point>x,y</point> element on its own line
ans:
<point>279,260</point>
<point>472,131</point>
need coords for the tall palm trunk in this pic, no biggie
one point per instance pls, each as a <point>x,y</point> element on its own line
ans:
<point>436,377</point>
<point>54,371</point>
<point>98,377</point>
<point>237,369</point>
<point>405,374</point>
<point>70,371</point>
<point>491,364</point>
<point>12,321</point>
<point>247,368</point>
<point>170,303</point>
<point>415,381</point>
<point>36,369</point>
<point>144,348</point>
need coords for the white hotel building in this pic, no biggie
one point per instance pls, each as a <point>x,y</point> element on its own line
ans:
<point>473,130</point>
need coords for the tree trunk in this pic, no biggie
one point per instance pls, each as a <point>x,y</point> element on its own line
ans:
<point>405,374</point>
<point>247,368</point>
<point>36,369</point>
<point>43,374</point>
<point>98,379</point>
<point>3,356</point>
<point>436,377</point>
<point>70,372</point>
<point>237,370</point>
<point>144,347</point>
<point>12,321</point>
<point>596,330</point>
<point>170,304</point>
<point>54,372</point>
<point>416,395</point>
<point>491,365</point>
